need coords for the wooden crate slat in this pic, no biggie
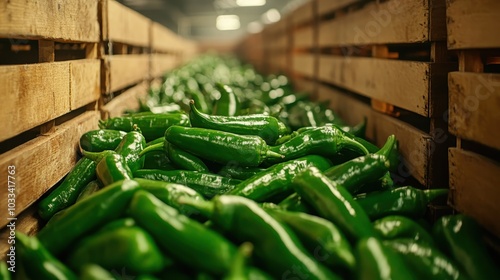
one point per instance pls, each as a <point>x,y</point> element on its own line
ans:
<point>165,40</point>
<point>124,25</point>
<point>126,70</point>
<point>43,161</point>
<point>328,6</point>
<point>303,37</point>
<point>303,14</point>
<point>303,63</point>
<point>27,222</point>
<point>474,188</point>
<point>402,83</point>
<point>474,104</point>
<point>85,83</point>
<point>32,95</point>
<point>406,22</point>
<point>70,20</point>
<point>161,63</point>
<point>128,100</point>
<point>303,85</point>
<point>473,24</point>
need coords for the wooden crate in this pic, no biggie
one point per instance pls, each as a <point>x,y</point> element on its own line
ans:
<point>167,50</point>
<point>128,100</point>
<point>474,99</point>
<point>276,43</point>
<point>251,50</point>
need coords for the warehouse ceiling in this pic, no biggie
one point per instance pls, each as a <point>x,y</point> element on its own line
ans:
<point>197,19</point>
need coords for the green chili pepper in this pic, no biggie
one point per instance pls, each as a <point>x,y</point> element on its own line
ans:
<point>125,247</point>
<point>278,178</point>
<point>353,174</point>
<point>459,236</point>
<point>4,271</point>
<point>94,211</point>
<point>111,167</point>
<point>267,127</point>
<point>397,227</point>
<point>89,189</point>
<point>101,139</point>
<point>295,203</point>
<point>321,237</point>
<point>184,160</point>
<point>152,125</point>
<point>169,193</point>
<point>406,201</point>
<point>227,104</point>
<point>426,261</point>
<point>205,183</point>
<point>38,261</point>
<point>129,148</point>
<point>119,223</point>
<point>200,101</point>
<point>181,237</point>
<point>276,246</point>
<point>377,261</point>
<point>158,160</point>
<point>67,192</point>
<point>334,203</point>
<point>239,265</point>
<point>357,130</point>
<point>219,146</point>
<point>156,141</point>
<point>95,272</point>
<point>235,171</point>
<point>326,141</point>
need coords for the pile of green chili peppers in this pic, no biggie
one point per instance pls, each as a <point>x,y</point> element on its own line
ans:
<point>226,174</point>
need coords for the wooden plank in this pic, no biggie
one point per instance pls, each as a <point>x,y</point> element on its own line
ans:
<point>124,25</point>
<point>402,83</point>
<point>394,21</point>
<point>303,63</point>
<point>165,40</point>
<point>472,24</point>
<point>474,103</point>
<point>161,63</point>
<point>85,83</point>
<point>329,6</point>
<point>50,19</point>
<point>27,222</point>
<point>43,161</point>
<point>125,70</point>
<point>303,14</point>
<point>474,188</point>
<point>32,94</point>
<point>303,38</point>
<point>128,100</point>
<point>279,43</point>
<point>304,85</point>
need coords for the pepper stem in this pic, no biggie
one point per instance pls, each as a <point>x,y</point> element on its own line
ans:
<point>271,154</point>
<point>206,208</point>
<point>433,194</point>
<point>152,148</point>
<point>353,145</point>
<point>96,156</point>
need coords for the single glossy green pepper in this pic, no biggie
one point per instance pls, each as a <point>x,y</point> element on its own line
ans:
<point>184,160</point>
<point>90,213</point>
<point>426,261</point>
<point>67,192</point>
<point>89,189</point>
<point>184,239</point>
<point>129,248</point>
<point>119,223</point>
<point>406,201</point>
<point>111,167</point>
<point>95,272</point>
<point>278,178</point>
<point>38,262</point>
<point>227,104</point>
<point>321,237</point>
<point>101,139</point>
<point>397,227</point>
<point>152,125</point>
<point>333,203</point>
<point>459,236</point>
<point>130,147</point>
<point>377,261</point>
<point>220,146</point>
<point>267,127</point>
<point>276,246</point>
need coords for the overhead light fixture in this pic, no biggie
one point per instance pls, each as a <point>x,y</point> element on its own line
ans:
<point>271,16</point>
<point>250,3</point>
<point>228,22</point>
<point>254,27</point>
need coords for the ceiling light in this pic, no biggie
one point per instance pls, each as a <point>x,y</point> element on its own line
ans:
<point>254,27</point>
<point>250,3</point>
<point>271,16</point>
<point>228,22</point>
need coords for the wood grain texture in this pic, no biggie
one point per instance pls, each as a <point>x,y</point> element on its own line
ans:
<point>394,21</point>
<point>165,40</point>
<point>472,24</point>
<point>474,103</point>
<point>161,63</point>
<point>70,20</point>
<point>32,94</point>
<point>303,63</point>
<point>124,25</point>
<point>43,161</point>
<point>474,187</point>
<point>27,222</point>
<point>124,70</point>
<point>329,6</point>
<point>128,100</point>
<point>303,37</point>
<point>85,82</point>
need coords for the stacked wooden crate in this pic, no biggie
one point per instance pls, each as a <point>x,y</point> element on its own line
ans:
<point>276,44</point>
<point>251,51</point>
<point>474,94</point>
<point>167,50</point>
<point>50,85</point>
